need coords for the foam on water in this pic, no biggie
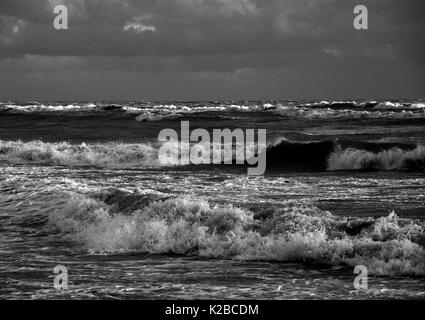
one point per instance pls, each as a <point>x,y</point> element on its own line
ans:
<point>392,159</point>
<point>284,154</point>
<point>294,232</point>
<point>314,110</point>
<point>64,153</point>
<point>36,107</point>
<point>115,154</point>
<point>388,105</point>
<point>149,116</point>
<point>309,113</point>
<point>52,209</point>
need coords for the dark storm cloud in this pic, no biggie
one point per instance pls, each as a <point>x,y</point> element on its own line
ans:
<point>211,36</point>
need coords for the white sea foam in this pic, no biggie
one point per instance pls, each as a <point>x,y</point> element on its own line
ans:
<point>392,159</point>
<point>309,110</point>
<point>418,105</point>
<point>50,108</point>
<point>119,154</point>
<point>195,227</point>
<point>149,116</point>
<point>388,105</point>
<point>399,106</point>
<point>329,113</point>
<point>64,153</point>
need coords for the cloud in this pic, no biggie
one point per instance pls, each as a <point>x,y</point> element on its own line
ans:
<point>211,36</point>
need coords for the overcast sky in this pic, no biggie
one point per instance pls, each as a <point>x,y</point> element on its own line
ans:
<point>211,49</point>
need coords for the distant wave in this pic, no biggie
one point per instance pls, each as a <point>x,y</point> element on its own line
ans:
<point>342,104</point>
<point>117,221</point>
<point>132,107</point>
<point>39,107</point>
<point>399,106</point>
<point>313,110</point>
<point>309,113</point>
<point>148,116</point>
<point>368,104</point>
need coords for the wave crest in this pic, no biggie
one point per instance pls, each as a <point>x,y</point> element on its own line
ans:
<point>387,246</point>
<point>392,159</point>
<point>64,153</point>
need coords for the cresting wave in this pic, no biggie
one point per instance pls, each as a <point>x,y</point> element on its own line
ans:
<point>64,153</point>
<point>110,154</point>
<point>345,155</point>
<point>154,112</point>
<point>393,159</point>
<point>115,221</point>
<point>282,155</point>
<point>329,112</point>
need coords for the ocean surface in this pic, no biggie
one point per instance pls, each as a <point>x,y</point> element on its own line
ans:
<point>81,186</point>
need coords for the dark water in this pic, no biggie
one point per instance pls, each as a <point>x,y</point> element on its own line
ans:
<point>81,186</point>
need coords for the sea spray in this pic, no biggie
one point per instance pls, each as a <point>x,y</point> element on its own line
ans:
<point>393,159</point>
<point>65,153</point>
<point>387,246</point>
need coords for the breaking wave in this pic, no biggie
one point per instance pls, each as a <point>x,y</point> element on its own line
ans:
<point>328,155</point>
<point>149,116</point>
<point>151,111</point>
<point>393,159</point>
<point>64,153</point>
<point>116,221</point>
<point>333,155</point>
<point>113,154</point>
<point>399,106</point>
<point>332,112</point>
<point>39,107</point>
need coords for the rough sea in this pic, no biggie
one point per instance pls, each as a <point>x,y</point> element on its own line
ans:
<point>81,186</point>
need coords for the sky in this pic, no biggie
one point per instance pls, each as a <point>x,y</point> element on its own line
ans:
<point>211,50</point>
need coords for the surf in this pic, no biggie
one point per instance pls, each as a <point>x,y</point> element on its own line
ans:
<point>292,232</point>
<point>281,156</point>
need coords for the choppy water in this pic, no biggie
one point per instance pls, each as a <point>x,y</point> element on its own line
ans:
<point>81,186</point>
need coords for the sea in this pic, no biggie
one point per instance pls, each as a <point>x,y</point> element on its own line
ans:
<point>81,187</point>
